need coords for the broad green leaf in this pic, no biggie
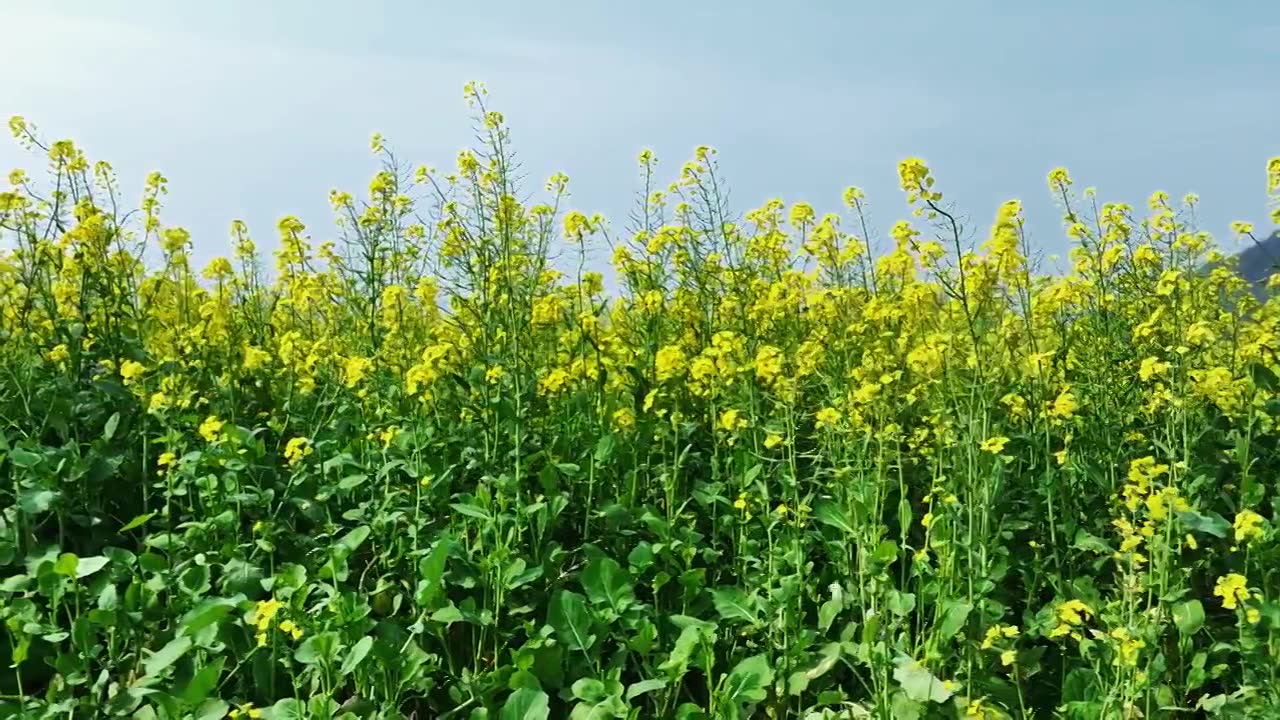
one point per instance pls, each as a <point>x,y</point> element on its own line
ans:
<point>137,522</point>
<point>570,618</point>
<point>90,565</point>
<point>449,614</point>
<point>900,603</point>
<point>285,709</point>
<point>589,689</point>
<point>693,636</point>
<point>828,611</point>
<point>109,430</point>
<point>431,573</point>
<point>918,683</point>
<point>471,511</point>
<point>1089,542</point>
<point>205,614</point>
<point>604,447</point>
<point>354,539</point>
<point>749,680</point>
<point>212,709</point>
<point>356,655</point>
<point>351,482</point>
<point>1080,684</point>
<point>321,648</point>
<point>605,582</point>
<point>203,682</point>
<point>160,660</point>
<point>526,704</point>
<point>799,680</point>
<point>1188,616</point>
<point>67,565</point>
<point>1211,523</point>
<point>830,513</point>
<point>637,689</point>
<point>957,613</point>
<point>24,458</point>
<point>734,604</point>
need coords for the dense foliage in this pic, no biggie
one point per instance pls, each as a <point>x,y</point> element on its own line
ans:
<point>433,469</point>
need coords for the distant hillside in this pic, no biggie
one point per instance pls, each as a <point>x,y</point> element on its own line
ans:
<point>1260,261</point>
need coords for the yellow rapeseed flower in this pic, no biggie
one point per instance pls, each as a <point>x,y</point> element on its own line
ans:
<point>297,449</point>
<point>130,371</point>
<point>1248,526</point>
<point>994,445</point>
<point>827,417</point>
<point>1233,590</point>
<point>211,428</point>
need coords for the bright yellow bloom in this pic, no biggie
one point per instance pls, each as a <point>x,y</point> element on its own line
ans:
<point>1064,406</point>
<point>1248,526</point>
<point>290,628</point>
<point>994,445</point>
<point>827,417</point>
<point>1233,590</point>
<point>211,428</point>
<point>669,362</point>
<point>772,440</point>
<point>130,371</point>
<point>297,449</point>
<point>732,421</point>
<point>255,358</point>
<point>244,711</point>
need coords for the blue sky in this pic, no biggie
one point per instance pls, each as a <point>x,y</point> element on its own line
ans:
<point>256,110</point>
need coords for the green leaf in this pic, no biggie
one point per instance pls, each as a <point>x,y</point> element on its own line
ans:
<point>1089,542</point>
<point>526,704</point>
<point>90,565</point>
<point>799,680</point>
<point>67,565</point>
<point>160,660</point>
<point>109,430</point>
<point>605,582</point>
<point>637,689</point>
<point>212,709</point>
<point>693,636</point>
<point>34,502</point>
<point>471,511</point>
<point>320,648</point>
<point>604,447</point>
<point>956,615</point>
<point>1211,523</point>
<point>137,522</point>
<point>569,617</point>
<point>354,539</point>
<point>286,709</point>
<point>734,604</point>
<point>203,682</point>
<point>1080,684</point>
<point>828,512</point>
<point>351,482</point>
<point>356,655</point>
<point>1188,616</point>
<point>449,614</point>
<point>918,683</point>
<point>749,680</point>
<point>205,614</point>
<point>828,611</point>
<point>589,689</point>
<point>24,458</point>
<point>431,573</point>
<point>900,603</point>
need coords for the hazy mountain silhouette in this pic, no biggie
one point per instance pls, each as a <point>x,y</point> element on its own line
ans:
<point>1259,262</point>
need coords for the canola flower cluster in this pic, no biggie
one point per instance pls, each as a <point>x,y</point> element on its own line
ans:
<point>900,480</point>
